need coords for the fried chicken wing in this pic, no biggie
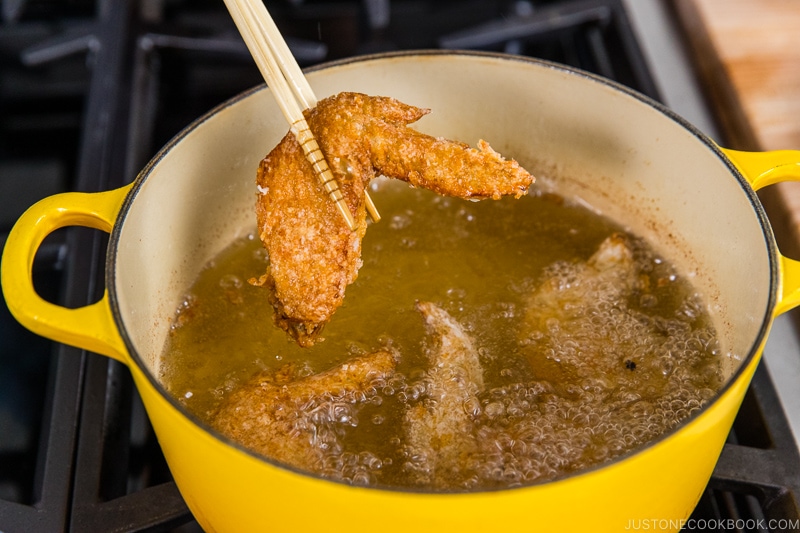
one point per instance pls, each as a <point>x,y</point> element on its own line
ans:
<point>440,430</point>
<point>313,255</point>
<point>583,327</point>
<point>607,275</point>
<point>298,420</point>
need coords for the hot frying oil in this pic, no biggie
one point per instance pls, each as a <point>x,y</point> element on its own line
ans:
<point>561,393</point>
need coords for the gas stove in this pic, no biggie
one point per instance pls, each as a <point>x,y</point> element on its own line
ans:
<point>89,90</point>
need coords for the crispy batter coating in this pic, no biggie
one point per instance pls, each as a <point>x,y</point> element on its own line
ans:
<point>313,255</point>
<point>297,420</point>
<point>440,432</point>
<point>608,275</point>
<point>578,312</point>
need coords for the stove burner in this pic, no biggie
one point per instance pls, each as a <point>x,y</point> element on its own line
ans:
<point>89,92</point>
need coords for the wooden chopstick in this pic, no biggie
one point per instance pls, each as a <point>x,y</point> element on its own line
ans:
<point>291,90</point>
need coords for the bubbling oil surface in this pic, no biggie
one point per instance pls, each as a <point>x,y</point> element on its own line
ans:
<point>560,396</point>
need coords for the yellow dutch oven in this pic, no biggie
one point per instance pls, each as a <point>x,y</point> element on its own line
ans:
<point>582,135</point>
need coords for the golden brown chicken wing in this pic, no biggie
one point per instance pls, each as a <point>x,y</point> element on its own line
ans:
<point>583,325</point>
<point>440,430</point>
<point>313,255</point>
<point>609,275</point>
<point>577,313</point>
<point>298,420</point>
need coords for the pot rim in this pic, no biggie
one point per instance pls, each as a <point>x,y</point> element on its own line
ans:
<point>752,353</point>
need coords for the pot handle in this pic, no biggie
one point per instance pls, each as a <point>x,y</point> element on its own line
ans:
<point>90,327</point>
<point>768,168</point>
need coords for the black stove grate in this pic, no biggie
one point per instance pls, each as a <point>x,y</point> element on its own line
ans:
<point>90,90</point>
<point>756,482</point>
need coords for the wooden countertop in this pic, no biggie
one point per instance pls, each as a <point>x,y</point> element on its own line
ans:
<point>747,54</point>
